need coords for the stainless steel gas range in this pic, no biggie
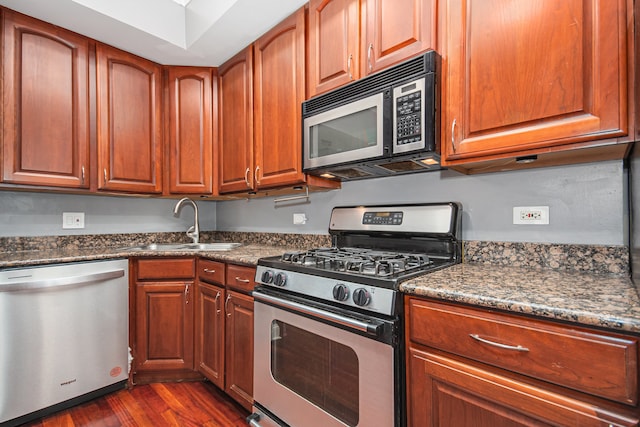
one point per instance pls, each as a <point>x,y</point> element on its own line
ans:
<point>328,321</point>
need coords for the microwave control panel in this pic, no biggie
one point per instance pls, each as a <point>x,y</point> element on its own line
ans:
<point>408,116</point>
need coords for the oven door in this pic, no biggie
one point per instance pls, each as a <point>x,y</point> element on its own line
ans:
<point>319,368</point>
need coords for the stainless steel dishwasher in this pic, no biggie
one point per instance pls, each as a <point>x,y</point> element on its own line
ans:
<point>63,336</point>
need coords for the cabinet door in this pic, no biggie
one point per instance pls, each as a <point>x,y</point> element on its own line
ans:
<point>129,122</point>
<point>334,39</point>
<point>394,30</point>
<point>447,392</point>
<point>279,91</point>
<point>164,326</point>
<point>235,121</point>
<point>190,131</point>
<point>239,348</point>
<point>210,332</point>
<point>46,104</point>
<point>536,74</point>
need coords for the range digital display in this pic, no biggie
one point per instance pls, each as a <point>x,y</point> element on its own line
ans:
<point>382,218</point>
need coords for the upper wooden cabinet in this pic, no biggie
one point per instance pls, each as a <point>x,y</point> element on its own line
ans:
<point>235,123</point>
<point>349,39</point>
<point>279,89</point>
<point>189,141</point>
<point>260,92</point>
<point>129,105</point>
<point>529,76</point>
<point>45,85</point>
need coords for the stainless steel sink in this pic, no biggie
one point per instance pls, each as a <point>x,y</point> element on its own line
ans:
<point>220,246</point>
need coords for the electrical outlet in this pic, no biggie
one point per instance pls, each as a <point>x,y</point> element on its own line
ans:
<point>73,220</point>
<point>531,215</point>
<point>299,219</point>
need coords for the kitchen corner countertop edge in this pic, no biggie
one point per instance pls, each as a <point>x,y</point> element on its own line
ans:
<point>599,300</point>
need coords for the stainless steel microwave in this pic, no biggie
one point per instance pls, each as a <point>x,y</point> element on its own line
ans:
<point>383,124</point>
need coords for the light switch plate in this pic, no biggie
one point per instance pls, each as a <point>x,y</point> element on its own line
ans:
<point>73,220</point>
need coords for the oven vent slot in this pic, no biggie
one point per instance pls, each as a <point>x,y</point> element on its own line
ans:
<point>412,68</point>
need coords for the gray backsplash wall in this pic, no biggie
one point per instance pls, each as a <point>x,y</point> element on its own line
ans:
<point>40,214</point>
<point>587,203</point>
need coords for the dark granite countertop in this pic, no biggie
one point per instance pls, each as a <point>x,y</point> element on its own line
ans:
<point>246,254</point>
<point>554,285</point>
<point>603,300</point>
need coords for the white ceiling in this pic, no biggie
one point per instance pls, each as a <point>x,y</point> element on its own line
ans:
<point>204,32</point>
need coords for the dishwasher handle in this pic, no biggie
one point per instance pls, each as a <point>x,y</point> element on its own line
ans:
<point>59,282</point>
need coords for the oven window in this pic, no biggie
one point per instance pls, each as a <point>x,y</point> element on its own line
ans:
<point>320,370</point>
<point>347,133</point>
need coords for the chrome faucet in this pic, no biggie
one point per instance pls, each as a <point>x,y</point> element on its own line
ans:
<point>193,231</point>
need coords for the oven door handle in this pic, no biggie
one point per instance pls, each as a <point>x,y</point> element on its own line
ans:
<point>369,328</point>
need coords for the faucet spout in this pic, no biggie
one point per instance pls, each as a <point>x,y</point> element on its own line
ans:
<point>194,231</point>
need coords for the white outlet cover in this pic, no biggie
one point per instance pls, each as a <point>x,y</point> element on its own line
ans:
<point>73,220</point>
<point>536,215</point>
<point>299,218</point>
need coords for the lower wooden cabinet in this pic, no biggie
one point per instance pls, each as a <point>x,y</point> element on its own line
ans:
<point>239,348</point>
<point>224,328</point>
<point>164,318</point>
<point>188,323</point>
<point>523,372</point>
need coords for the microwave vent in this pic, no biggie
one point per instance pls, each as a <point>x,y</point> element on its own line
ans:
<point>414,67</point>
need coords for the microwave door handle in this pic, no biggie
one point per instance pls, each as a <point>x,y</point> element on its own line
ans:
<point>369,328</point>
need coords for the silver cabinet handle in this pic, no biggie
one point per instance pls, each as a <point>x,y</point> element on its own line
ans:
<point>497,344</point>
<point>206,270</point>
<point>453,135</point>
<point>241,280</point>
<point>369,55</point>
<point>104,171</point>
<point>60,282</point>
<point>246,177</point>
<point>255,175</point>
<point>349,66</point>
<point>226,307</point>
<point>82,175</point>
<point>186,294</point>
<point>216,302</point>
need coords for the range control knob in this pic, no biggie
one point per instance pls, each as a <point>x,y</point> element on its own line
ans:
<point>361,297</point>
<point>340,292</point>
<point>267,276</point>
<point>280,279</point>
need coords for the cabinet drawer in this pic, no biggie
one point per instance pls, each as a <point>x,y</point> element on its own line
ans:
<point>241,277</point>
<point>211,271</point>
<point>590,361</point>
<point>165,268</point>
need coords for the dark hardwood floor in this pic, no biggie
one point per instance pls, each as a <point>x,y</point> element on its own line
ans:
<point>160,404</point>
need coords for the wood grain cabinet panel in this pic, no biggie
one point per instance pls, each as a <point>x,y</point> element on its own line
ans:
<point>532,76</point>
<point>239,348</point>
<point>210,332</point>
<point>350,39</point>
<point>46,104</point>
<point>235,123</point>
<point>334,44</point>
<point>471,367</point>
<point>395,30</point>
<point>129,99</point>
<point>279,89</point>
<point>163,321</point>
<point>190,143</point>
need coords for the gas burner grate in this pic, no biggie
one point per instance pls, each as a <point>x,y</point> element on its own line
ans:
<point>370,262</point>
